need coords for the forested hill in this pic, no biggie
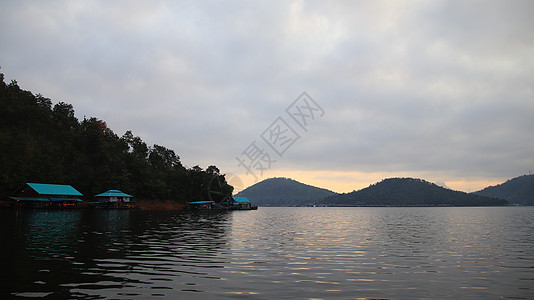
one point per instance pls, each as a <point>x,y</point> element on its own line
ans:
<point>283,192</point>
<point>45,143</point>
<point>519,190</point>
<point>409,192</point>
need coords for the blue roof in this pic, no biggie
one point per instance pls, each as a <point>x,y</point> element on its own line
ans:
<point>241,200</point>
<point>113,193</point>
<point>54,189</point>
<point>201,202</point>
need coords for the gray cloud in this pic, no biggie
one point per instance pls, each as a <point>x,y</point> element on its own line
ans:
<point>442,87</point>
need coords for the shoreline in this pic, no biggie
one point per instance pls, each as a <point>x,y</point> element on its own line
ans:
<point>143,204</point>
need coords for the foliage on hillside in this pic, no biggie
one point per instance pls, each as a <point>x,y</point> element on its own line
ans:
<point>284,192</point>
<point>519,190</point>
<point>409,192</point>
<point>45,143</point>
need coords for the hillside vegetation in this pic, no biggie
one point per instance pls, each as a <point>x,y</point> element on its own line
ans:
<point>284,192</point>
<point>409,192</point>
<point>519,190</point>
<point>45,143</point>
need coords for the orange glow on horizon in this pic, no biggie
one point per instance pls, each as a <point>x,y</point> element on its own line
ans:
<point>346,182</point>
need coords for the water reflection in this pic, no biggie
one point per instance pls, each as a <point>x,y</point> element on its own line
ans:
<point>112,252</point>
<point>384,252</point>
<point>323,253</point>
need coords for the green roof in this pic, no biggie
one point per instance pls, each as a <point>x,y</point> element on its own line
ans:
<point>201,202</point>
<point>113,193</point>
<point>241,200</point>
<point>54,189</point>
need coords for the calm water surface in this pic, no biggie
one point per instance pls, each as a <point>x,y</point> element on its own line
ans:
<point>284,253</point>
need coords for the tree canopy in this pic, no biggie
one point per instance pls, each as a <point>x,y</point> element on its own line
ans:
<point>409,192</point>
<point>42,142</point>
<point>519,190</point>
<point>284,192</point>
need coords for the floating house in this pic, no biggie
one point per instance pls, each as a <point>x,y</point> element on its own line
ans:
<point>241,203</point>
<point>114,199</point>
<point>40,195</point>
<point>201,205</point>
<point>230,203</point>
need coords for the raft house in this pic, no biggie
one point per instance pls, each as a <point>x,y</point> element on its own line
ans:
<point>231,203</point>
<point>204,205</point>
<point>242,203</point>
<point>113,199</point>
<point>41,195</point>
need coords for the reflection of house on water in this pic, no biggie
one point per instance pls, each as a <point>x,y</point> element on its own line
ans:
<point>97,253</point>
<point>49,234</point>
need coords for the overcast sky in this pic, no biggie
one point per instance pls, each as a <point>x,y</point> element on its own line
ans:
<point>440,90</point>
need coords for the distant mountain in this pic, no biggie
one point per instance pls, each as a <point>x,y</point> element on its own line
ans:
<point>409,192</point>
<point>283,192</point>
<point>519,190</point>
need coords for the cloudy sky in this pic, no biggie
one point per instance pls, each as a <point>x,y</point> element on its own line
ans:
<point>440,90</point>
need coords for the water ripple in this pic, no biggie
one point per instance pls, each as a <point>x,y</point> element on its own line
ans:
<point>321,253</point>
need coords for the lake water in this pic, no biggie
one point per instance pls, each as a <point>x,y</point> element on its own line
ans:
<point>271,253</point>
